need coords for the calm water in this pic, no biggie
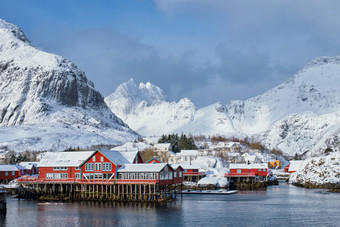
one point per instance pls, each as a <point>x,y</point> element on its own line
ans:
<point>282,205</point>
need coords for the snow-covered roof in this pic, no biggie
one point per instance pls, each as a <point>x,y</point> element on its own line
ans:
<point>130,155</point>
<point>9,168</point>
<point>162,146</point>
<point>144,167</point>
<point>58,159</point>
<point>188,166</point>
<point>295,165</point>
<point>28,165</point>
<point>188,153</point>
<point>248,166</point>
<point>116,157</point>
<point>176,166</point>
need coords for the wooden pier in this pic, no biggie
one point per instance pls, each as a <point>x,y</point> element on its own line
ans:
<point>98,191</point>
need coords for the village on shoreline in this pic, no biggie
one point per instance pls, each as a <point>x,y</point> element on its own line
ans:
<point>148,170</point>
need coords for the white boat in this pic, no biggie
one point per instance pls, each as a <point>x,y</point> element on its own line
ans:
<point>11,185</point>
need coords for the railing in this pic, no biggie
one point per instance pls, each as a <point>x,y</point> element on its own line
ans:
<point>193,173</point>
<point>98,181</point>
<point>240,174</point>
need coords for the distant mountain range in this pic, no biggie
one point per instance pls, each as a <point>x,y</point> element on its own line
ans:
<point>301,116</point>
<point>46,102</point>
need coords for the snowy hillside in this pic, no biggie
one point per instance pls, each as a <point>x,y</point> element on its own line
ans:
<point>42,94</point>
<point>319,170</point>
<point>299,116</point>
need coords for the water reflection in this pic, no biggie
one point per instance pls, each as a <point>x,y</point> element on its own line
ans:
<point>278,206</point>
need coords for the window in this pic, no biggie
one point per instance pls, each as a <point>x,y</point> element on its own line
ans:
<point>89,167</point>
<point>107,166</point>
<point>175,174</point>
<point>102,159</point>
<point>77,168</point>
<point>6,173</point>
<point>13,173</point>
<point>180,174</point>
<point>60,168</point>
<point>93,158</point>
<point>77,176</point>
<point>98,166</point>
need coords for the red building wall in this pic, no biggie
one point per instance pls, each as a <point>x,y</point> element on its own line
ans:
<point>178,179</point>
<point>254,172</point>
<point>139,159</point>
<point>44,170</point>
<point>99,158</point>
<point>9,176</point>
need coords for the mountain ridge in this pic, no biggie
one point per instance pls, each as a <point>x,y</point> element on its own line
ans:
<point>39,88</point>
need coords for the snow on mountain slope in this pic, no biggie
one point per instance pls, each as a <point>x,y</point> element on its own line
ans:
<point>304,133</point>
<point>146,110</point>
<point>314,89</point>
<point>39,88</point>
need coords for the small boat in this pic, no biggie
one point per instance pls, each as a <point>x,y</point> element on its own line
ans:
<point>220,192</point>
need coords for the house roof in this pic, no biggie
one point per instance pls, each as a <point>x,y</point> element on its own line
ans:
<point>144,167</point>
<point>153,159</point>
<point>246,166</point>
<point>295,165</point>
<point>162,145</point>
<point>176,166</point>
<point>188,153</point>
<point>129,155</point>
<point>28,165</point>
<point>188,166</point>
<point>59,159</point>
<point>115,157</point>
<point>9,168</point>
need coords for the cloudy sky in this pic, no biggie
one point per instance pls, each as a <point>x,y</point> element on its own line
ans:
<point>207,50</point>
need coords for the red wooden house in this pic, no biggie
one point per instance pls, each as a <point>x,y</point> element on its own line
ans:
<point>178,173</point>
<point>9,172</point>
<point>286,169</point>
<point>192,173</point>
<point>160,173</point>
<point>102,166</point>
<point>253,172</point>
<point>154,160</point>
<point>62,166</point>
<point>29,168</point>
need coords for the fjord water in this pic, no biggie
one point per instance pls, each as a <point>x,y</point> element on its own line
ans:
<point>283,205</point>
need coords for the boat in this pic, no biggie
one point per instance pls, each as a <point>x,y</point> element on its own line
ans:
<point>208,192</point>
<point>11,185</point>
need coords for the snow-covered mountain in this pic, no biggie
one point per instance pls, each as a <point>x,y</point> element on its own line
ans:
<point>299,116</point>
<point>147,111</point>
<point>47,102</point>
